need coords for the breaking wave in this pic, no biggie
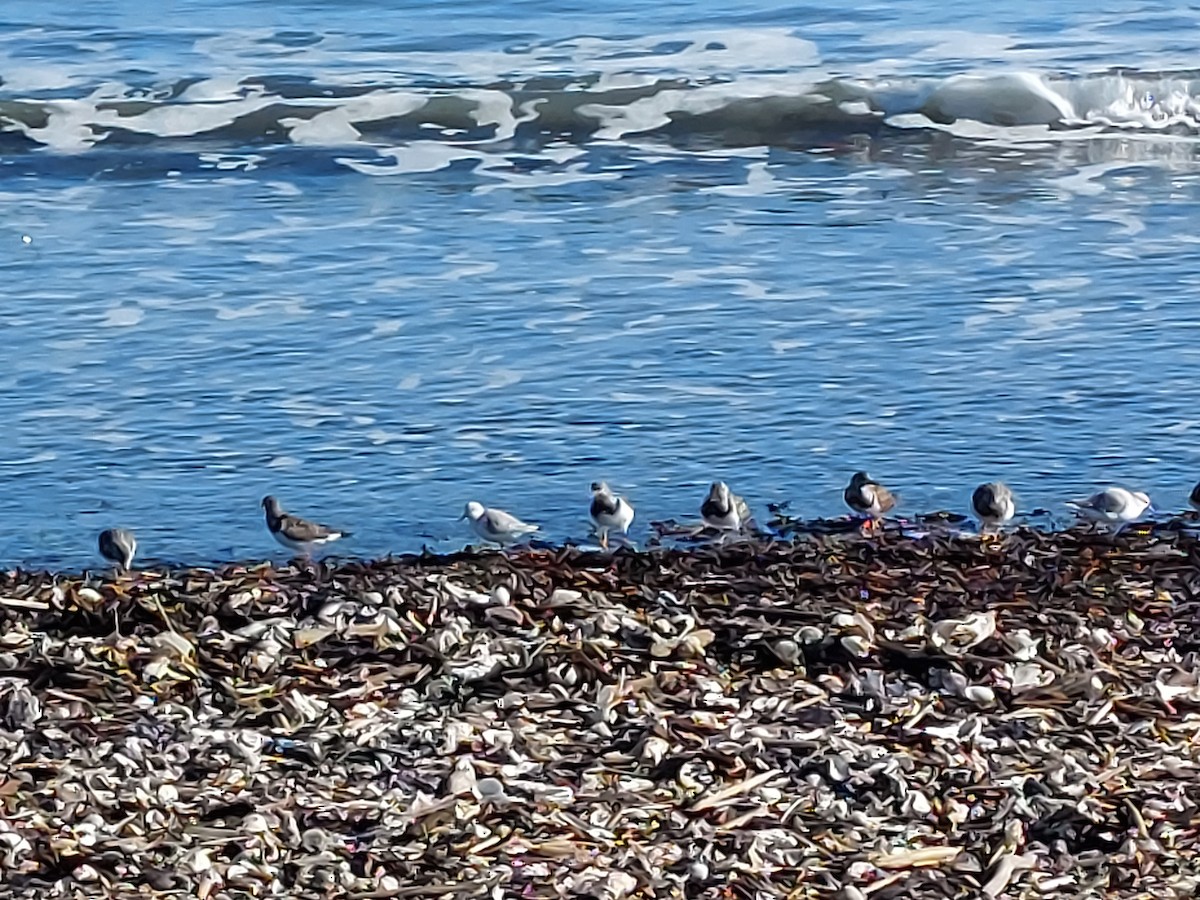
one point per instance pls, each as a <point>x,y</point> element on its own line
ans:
<point>685,94</point>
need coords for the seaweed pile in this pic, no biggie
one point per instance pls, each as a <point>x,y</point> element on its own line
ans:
<point>834,717</point>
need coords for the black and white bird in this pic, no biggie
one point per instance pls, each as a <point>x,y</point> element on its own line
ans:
<point>296,533</point>
<point>1194,497</point>
<point>609,512</point>
<point>495,525</point>
<point>868,497</point>
<point>118,546</point>
<point>724,510</point>
<point>1113,506</point>
<point>994,504</point>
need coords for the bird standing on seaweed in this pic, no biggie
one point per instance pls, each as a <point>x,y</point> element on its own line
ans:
<point>609,512</point>
<point>118,546</point>
<point>296,533</point>
<point>495,525</point>
<point>868,498</point>
<point>1113,506</point>
<point>994,504</point>
<point>724,510</point>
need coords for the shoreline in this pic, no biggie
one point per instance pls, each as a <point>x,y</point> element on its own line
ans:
<point>672,535</point>
<point>837,716</point>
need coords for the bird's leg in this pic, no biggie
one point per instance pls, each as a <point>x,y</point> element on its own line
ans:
<point>603,538</point>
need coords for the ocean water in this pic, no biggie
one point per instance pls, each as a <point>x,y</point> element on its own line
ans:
<point>380,261</point>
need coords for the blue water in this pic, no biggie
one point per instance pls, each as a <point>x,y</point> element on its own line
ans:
<point>383,261</point>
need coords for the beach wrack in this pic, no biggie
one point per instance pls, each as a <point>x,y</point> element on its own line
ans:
<point>835,717</point>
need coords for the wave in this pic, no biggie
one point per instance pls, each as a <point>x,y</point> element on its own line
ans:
<point>703,106</point>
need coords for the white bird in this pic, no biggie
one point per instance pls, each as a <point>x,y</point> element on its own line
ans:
<point>609,512</point>
<point>994,504</point>
<point>724,510</point>
<point>495,525</point>
<point>1113,505</point>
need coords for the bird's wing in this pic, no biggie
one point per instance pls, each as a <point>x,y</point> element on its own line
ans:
<point>885,498</point>
<point>499,521</point>
<point>1095,505</point>
<point>1106,501</point>
<point>302,531</point>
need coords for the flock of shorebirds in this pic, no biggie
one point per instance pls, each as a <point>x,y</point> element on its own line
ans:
<point>722,510</point>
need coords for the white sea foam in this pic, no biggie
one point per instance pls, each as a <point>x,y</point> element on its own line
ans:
<point>123,317</point>
<point>729,85</point>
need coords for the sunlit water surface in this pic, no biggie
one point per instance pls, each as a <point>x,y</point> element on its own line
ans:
<point>383,262</point>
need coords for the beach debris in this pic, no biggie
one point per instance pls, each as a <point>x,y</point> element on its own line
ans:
<point>900,716</point>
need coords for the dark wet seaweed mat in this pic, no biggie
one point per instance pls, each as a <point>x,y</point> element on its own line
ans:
<point>838,716</point>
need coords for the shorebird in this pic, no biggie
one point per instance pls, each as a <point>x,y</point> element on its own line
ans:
<point>994,504</point>
<point>724,510</point>
<point>495,525</point>
<point>118,546</point>
<point>1113,506</point>
<point>609,512</point>
<point>868,497</point>
<point>1194,497</point>
<point>296,533</point>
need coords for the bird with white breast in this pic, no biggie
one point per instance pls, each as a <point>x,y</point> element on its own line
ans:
<point>868,498</point>
<point>1113,506</point>
<point>609,512</point>
<point>495,525</point>
<point>296,533</point>
<point>724,510</point>
<point>994,503</point>
<point>118,546</point>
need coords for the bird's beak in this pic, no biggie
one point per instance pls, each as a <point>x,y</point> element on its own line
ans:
<point>463,516</point>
